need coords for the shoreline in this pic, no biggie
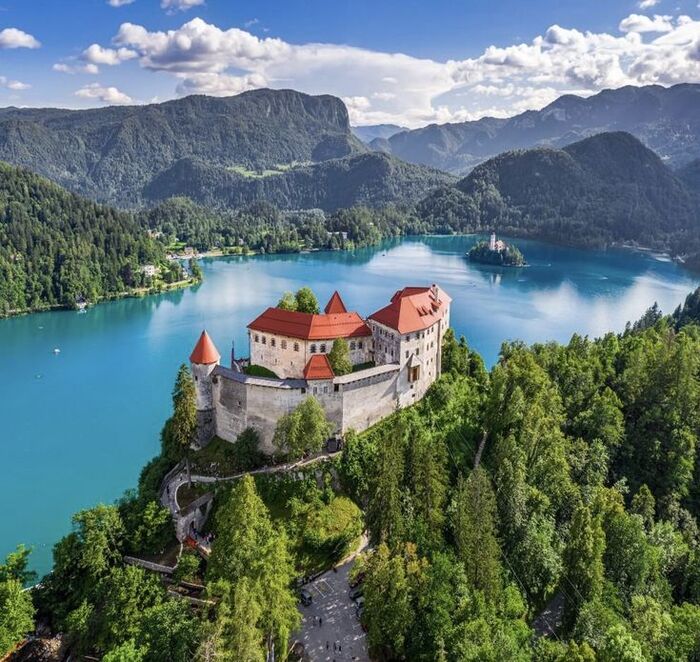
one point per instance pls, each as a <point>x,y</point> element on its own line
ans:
<point>136,293</point>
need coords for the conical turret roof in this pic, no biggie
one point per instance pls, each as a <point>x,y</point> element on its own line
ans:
<point>205,351</point>
<point>335,305</point>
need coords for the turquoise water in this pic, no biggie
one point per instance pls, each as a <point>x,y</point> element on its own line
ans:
<point>78,426</point>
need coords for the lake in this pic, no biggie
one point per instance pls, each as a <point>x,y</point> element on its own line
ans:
<point>77,426</point>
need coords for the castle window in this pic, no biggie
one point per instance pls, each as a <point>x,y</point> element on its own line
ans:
<point>257,338</point>
<point>353,345</point>
<point>323,348</point>
<point>359,344</point>
<point>312,349</point>
<point>296,346</point>
<point>336,387</point>
<point>196,378</point>
<point>303,390</point>
<point>264,340</point>
<point>272,342</point>
<point>284,344</point>
<point>406,353</point>
<point>325,389</point>
<point>408,338</point>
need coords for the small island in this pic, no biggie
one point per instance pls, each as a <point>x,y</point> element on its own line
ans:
<point>497,253</point>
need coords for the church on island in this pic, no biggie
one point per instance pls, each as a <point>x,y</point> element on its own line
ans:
<point>395,354</point>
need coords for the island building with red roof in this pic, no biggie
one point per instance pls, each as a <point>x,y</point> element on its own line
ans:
<point>396,352</point>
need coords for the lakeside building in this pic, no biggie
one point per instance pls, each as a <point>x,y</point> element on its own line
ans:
<point>396,352</point>
<point>496,244</point>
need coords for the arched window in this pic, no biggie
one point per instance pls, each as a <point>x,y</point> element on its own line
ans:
<point>272,342</point>
<point>284,344</point>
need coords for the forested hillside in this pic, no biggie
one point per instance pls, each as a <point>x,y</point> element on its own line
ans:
<point>664,119</point>
<point>263,228</point>
<point>57,248</point>
<point>604,189</point>
<point>567,475</point>
<point>365,179</point>
<point>111,154</point>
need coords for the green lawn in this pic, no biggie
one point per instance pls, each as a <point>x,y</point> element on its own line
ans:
<point>259,371</point>
<point>363,366</point>
<point>223,458</point>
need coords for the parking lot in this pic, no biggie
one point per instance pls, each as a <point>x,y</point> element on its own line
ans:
<point>339,627</point>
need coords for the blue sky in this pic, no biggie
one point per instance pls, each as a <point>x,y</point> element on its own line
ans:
<point>406,62</point>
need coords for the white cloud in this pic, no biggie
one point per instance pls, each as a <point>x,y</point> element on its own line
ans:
<point>96,54</point>
<point>14,38</point>
<point>648,4</point>
<point>119,3</point>
<point>14,85</point>
<point>393,87</point>
<point>66,68</point>
<point>108,95</point>
<point>172,6</point>
<point>640,23</point>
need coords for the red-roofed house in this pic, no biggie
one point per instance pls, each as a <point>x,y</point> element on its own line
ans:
<point>284,340</point>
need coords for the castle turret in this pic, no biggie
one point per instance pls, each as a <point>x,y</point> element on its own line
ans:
<point>204,358</point>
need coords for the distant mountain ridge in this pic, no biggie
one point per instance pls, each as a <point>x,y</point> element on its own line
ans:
<point>665,119</point>
<point>369,132</point>
<point>111,154</point>
<point>602,190</point>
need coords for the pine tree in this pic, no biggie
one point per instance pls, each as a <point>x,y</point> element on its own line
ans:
<point>583,562</point>
<point>183,426</point>
<point>474,524</point>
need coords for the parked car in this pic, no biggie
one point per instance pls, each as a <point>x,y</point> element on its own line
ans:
<point>305,597</point>
<point>355,592</point>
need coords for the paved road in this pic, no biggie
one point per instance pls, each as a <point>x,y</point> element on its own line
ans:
<point>339,625</point>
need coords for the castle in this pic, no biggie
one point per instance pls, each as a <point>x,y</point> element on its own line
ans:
<point>396,352</point>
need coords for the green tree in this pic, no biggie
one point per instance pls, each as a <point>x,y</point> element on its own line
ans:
<point>339,357</point>
<point>171,631</point>
<point>620,646</point>
<point>304,430</point>
<point>16,614</point>
<point>183,428</point>
<point>307,301</point>
<point>474,525</point>
<point>247,546</point>
<point>288,301</point>
<point>385,518</point>
<point>583,562</point>
<point>126,652</point>
<point>391,584</point>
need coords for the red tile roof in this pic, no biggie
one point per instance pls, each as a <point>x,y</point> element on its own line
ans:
<point>318,367</point>
<point>310,327</point>
<point>205,351</point>
<point>335,304</point>
<point>413,309</point>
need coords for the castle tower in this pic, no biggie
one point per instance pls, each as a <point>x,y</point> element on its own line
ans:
<point>204,358</point>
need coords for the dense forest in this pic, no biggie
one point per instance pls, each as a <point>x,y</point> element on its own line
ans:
<point>363,179</point>
<point>262,227</point>
<point>566,475</point>
<point>57,249</point>
<point>604,189</point>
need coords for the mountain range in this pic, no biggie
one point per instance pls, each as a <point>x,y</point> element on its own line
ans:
<point>605,189</point>
<point>665,119</point>
<point>283,146</point>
